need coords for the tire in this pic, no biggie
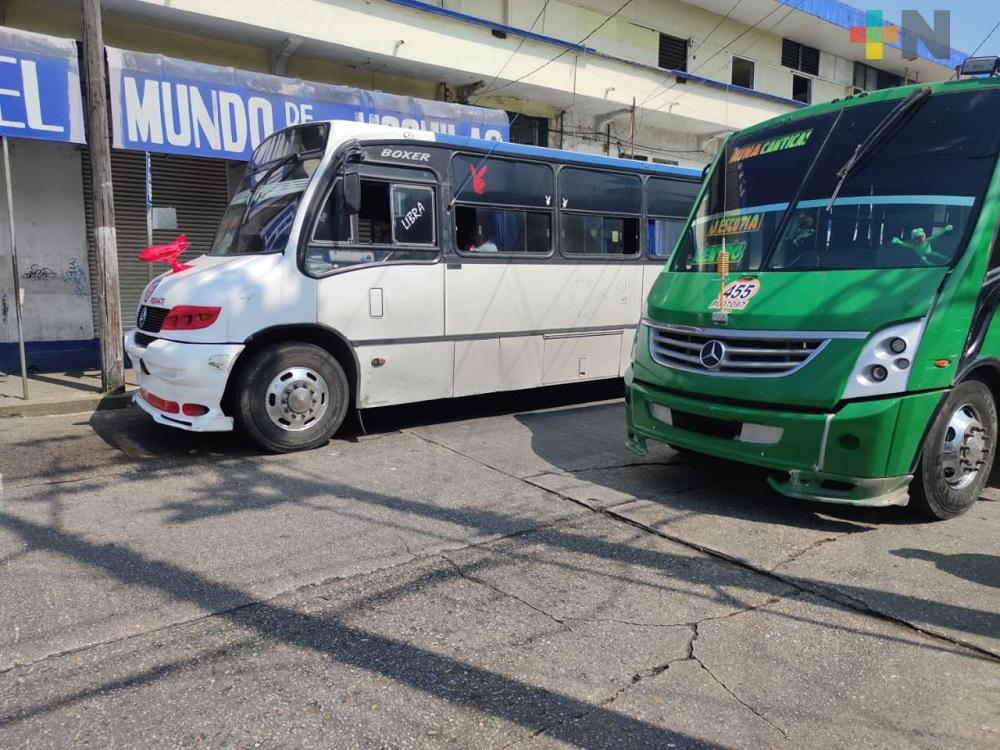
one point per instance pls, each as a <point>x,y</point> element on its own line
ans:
<point>292,397</point>
<point>957,455</point>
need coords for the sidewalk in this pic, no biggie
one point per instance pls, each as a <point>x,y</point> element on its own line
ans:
<point>60,393</point>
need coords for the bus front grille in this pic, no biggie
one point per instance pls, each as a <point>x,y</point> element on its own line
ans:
<point>151,318</point>
<point>711,351</point>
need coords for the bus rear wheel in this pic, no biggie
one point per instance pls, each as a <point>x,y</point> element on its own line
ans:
<point>292,397</point>
<point>957,455</point>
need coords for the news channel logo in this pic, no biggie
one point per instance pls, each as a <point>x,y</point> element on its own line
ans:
<point>875,34</point>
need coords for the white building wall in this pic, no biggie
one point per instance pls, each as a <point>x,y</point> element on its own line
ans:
<point>51,245</point>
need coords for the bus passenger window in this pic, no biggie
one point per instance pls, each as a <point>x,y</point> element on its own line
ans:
<point>495,230</point>
<point>600,212</point>
<point>663,235</point>
<point>585,234</point>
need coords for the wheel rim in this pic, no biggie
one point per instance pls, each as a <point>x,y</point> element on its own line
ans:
<point>296,398</point>
<point>965,447</point>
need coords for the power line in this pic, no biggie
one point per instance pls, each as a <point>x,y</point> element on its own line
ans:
<point>600,26</point>
<point>657,92</point>
<point>985,39</point>
<point>516,50</point>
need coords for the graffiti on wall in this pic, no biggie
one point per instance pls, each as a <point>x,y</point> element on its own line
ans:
<point>4,308</point>
<point>38,273</point>
<point>70,279</point>
<point>76,278</point>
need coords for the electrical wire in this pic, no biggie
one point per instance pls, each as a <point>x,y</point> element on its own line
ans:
<point>985,39</point>
<point>657,93</point>
<point>516,50</point>
<point>600,26</point>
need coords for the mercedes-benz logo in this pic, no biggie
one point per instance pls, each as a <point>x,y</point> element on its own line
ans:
<point>712,354</point>
<point>142,316</point>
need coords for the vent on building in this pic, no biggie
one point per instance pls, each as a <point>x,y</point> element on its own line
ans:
<point>798,56</point>
<point>673,52</point>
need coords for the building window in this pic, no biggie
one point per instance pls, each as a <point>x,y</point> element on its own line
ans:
<point>798,56</point>
<point>673,52</point>
<point>868,78</point>
<point>802,89</point>
<point>636,157</point>
<point>743,72</point>
<point>531,131</point>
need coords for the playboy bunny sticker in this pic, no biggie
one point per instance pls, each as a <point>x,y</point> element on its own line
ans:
<point>478,179</point>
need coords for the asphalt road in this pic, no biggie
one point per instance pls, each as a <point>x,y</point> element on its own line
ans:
<point>488,573</point>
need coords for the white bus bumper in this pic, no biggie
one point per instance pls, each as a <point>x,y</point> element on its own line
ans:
<point>183,373</point>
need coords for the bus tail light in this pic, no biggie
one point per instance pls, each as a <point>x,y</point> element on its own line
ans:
<point>194,410</point>
<point>170,407</point>
<point>190,318</point>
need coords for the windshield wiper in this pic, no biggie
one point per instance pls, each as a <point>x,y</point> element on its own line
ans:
<point>868,145</point>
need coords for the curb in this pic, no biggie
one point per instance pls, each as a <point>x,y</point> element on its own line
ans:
<point>97,402</point>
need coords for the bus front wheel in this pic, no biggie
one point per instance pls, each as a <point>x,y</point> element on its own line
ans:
<point>957,455</point>
<point>292,397</point>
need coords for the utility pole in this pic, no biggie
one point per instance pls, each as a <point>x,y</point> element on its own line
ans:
<point>631,133</point>
<point>105,240</point>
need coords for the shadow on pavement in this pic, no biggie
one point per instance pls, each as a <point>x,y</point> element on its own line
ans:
<point>981,569</point>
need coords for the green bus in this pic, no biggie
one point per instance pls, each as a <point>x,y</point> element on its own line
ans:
<point>851,345</point>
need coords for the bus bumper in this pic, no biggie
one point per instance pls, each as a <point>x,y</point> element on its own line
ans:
<point>861,454</point>
<point>174,374</point>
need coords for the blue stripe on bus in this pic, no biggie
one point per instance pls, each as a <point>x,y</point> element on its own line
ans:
<point>567,157</point>
<point>880,200</point>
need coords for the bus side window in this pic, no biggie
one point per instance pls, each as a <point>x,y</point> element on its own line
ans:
<point>502,206</point>
<point>663,235</point>
<point>600,212</point>
<point>333,223</point>
<point>668,202</point>
<point>412,215</point>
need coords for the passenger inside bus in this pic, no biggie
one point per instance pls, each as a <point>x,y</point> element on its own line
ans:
<point>483,244</point>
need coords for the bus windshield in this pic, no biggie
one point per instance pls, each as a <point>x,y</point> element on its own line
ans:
<point>790,198</point>
<point>260,216</point>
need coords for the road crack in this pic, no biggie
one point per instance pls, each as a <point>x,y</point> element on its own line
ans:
<point>829,593</point>
<point>804,551</point>
<point>695,632</point>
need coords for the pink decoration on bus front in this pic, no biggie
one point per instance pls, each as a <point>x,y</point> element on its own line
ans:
<point>167,253</point>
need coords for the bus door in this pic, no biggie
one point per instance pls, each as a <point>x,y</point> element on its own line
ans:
<point>380,284</point>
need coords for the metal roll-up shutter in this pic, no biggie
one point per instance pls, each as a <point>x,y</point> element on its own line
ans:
<point>196,187</point>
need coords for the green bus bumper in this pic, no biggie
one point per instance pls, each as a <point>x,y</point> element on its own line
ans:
<point>861,454</point>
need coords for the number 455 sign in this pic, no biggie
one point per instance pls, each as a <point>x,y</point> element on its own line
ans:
<point>737,294</point>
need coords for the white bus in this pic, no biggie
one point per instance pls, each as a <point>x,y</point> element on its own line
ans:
<point>361,266</point>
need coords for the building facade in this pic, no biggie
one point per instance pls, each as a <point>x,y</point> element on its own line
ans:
<point>660,80</point>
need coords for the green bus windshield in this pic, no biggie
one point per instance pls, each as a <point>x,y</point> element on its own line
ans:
<point>908,203</point>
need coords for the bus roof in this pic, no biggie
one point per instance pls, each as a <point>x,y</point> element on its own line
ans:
<point>967,85</point>
<point>566,157</point>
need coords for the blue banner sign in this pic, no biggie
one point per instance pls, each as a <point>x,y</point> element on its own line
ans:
<point>39,87</point>
<point>180,107</point>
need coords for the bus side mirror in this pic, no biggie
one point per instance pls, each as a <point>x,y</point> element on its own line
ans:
<point>352,192</point>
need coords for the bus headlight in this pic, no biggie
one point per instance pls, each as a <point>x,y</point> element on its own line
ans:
<point>879,369</point>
